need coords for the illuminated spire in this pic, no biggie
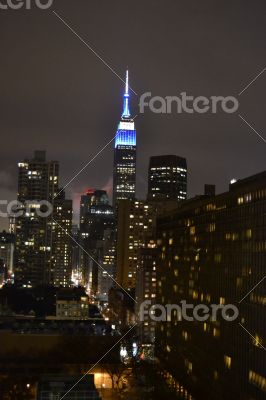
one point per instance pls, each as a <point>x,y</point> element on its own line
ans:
<point>126,112</point>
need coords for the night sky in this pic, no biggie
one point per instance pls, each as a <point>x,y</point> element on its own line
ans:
<point>55,94</point>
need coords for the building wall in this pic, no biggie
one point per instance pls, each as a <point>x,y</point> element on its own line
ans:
<point>146,290</point>
<point>73,309</point>
<point>61,252</point>
<point>42,247</point>
<point>37,181</point>
<point>7,247</point>
<point>212,250</point>
<point>124,174</point>
<point>136,222</point>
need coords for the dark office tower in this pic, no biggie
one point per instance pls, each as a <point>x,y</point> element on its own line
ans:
<point>167,178</point>
<point>124,176</point>
<point>35,233</point>
<point>92,198</point>
<point>96,217</point>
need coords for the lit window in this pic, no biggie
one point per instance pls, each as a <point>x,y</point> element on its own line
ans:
<point>227,361</point>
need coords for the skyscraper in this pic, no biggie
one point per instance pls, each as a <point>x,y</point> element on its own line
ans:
<point>42,255</point>
<point>96,225</point>
<point>212,250</point>
<point>61,249</point>
<point>124,174</point>
<point>167,178</point>
<point>37,181</point>
<point>146,290</point>
<point>136,221</point>
<point>7,245</point>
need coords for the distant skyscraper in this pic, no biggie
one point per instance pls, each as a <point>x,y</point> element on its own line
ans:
<point>7,245</point>
<point>76,256</point>
<point>106,276</point>
<point>93,202</point>
<point>167,178</point>
<point>41,245</point>
<point>61,249</point>
<point>136,222</point>
<point>96,219</point>
<point>124,175</point>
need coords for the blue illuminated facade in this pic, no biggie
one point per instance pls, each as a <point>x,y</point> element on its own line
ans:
<point>124,176</point>
<point>125,137</point>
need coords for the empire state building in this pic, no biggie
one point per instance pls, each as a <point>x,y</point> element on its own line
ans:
<point>124,174</point>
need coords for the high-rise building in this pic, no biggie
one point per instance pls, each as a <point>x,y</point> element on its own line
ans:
<point>106,275</point>
<point>41,245</point>
<point>7,246</point>
<point>61,248</point>
<point>124,174</point>
<point>96,223</point>
<point>212,251</point>
<point>76,278</point>
<point>167,178</point>
<point>92,202</point>
<point>146,291</point>
<point>135,223</point>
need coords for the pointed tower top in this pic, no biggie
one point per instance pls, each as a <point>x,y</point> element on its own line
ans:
<point>126,111</point>
<point>126,91</point>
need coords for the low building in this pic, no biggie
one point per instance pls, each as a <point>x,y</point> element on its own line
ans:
<point>72,305</point>
<point>55,387</point>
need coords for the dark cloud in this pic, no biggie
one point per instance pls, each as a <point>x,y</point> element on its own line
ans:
<point>56,95</point>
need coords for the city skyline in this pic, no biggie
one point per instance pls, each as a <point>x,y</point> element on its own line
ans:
<point>220,137</point>
<point>132,200</point>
